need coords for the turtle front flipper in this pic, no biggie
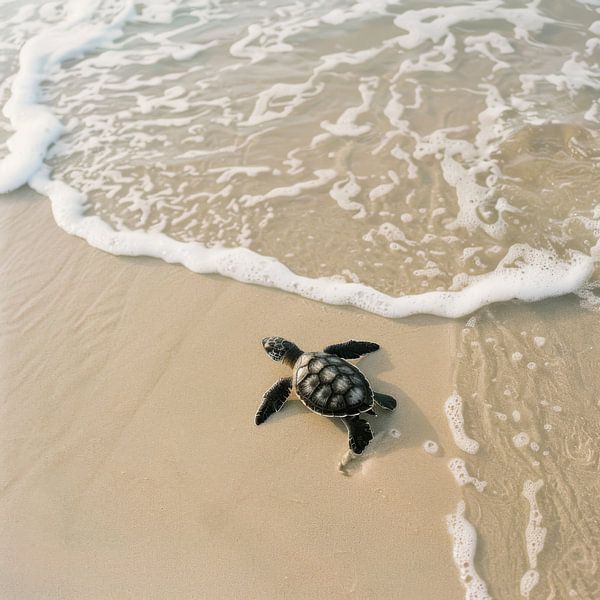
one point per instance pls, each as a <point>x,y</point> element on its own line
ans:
<point>273,399</point>
<point>359,433</point>
<point>351,349</point>
<point>385,401</point>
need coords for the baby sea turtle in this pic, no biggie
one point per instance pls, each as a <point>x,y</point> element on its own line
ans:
<point>327,384</point>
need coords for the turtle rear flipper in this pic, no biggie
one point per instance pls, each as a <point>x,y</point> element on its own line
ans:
<point>351,349</point>
<point>385,401</point>
<point>273,399</point>
<point>359,434</point>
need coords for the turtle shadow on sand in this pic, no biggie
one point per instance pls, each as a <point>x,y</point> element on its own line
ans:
<point>408,418</point>
<point>405,426</point>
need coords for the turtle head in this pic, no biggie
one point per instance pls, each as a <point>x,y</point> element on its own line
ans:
<point>280,349</point>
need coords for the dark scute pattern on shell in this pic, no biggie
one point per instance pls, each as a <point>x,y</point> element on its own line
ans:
<point>355,396</point>
<point>330,386</point>
<point>328,374</point>
<point>336,402</point>
<point>356,380</point>
<point>309,384</point>
<point>316,365</point>
<point>341,384</point>
<point>321,395</point>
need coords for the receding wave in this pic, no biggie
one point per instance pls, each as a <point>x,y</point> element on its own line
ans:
<point>397,157</point>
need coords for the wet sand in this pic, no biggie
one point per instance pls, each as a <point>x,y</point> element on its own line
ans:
<point>530,380</point>
<point>131,466</point>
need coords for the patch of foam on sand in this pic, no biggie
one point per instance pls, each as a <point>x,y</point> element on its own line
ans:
<point>535,536</point>
<point>454,413</point>
<point>430,447</point>
<point>458,468</point>
<point>464,545</point>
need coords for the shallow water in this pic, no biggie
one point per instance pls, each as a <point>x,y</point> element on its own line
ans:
<point>410,147</point>
<point>529,381</point>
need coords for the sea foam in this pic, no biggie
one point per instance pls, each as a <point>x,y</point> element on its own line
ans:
<point>464,545</point>
<point>525,272</point>
<point>535,536</point>
<point>35,126</point>
<point>458,468</point>
<point>453,408</point>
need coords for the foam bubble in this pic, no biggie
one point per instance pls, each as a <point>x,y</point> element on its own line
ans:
<point>343,193</point>
<point>430,447</point>
<point>528,581</point>
<point>380,191</point>
<point>454,413</point>
<point>535,536</point>
<point>228,173</point>
<point>464,546</point>
<point>360,8</point>
<point>520,440</point>
<point>322,177</point>
<point>458,468</point>
<point>243,47</point>
<point>346,123</point>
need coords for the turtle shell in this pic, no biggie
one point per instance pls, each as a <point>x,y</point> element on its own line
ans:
<point>330,386</point>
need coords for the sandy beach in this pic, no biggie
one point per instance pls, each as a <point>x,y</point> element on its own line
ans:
<point>345,160</point>
<point>131,465</point>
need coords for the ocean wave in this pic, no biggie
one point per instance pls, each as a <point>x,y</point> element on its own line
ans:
<point>396,158</point>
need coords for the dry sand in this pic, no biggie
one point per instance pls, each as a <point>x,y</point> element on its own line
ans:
<point>131,467</point>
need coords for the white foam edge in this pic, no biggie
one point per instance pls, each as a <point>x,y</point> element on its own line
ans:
<point>453,408</point>
<point>535,536</point>
<point>36,128</point>
<point>464,546</point>
<point>242,264</point>
<point>459,470</point>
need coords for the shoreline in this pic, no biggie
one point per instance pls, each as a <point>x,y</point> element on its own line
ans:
<point>132,462</point>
